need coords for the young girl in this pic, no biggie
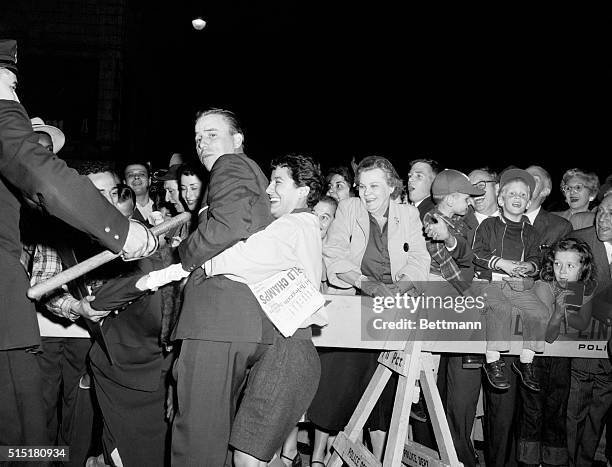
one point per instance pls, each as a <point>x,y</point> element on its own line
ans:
<point>568,262</point>
<point>568,266</point>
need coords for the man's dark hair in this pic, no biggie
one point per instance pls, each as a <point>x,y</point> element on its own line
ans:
<point>436,167</point>
<point>492,173</point>
<point>345,173</point>
<point>125,193</point>
<point>142,162</point>
<point>95,167</point>
<point>329,200</point>
<point>187,169</point>
<point>228,115</point>
<point>305,172</point>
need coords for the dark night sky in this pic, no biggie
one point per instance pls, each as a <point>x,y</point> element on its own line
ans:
<point>466,85</point>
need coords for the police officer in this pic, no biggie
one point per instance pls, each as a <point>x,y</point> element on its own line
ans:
<point>30,172</point>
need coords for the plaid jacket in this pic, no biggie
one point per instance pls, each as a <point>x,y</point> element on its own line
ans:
<point>454,267</point>
<point>43,262</point>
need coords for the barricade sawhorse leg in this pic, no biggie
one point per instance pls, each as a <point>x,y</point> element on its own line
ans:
<point>412,365</point>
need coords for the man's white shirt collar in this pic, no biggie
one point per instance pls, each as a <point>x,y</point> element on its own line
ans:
<point>532,215</point>
<point>608,251</point>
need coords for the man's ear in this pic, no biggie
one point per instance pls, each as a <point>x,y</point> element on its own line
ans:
<point>238,140</point>
<point>527,205</point>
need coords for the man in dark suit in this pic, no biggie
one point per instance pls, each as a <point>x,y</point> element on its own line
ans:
<point>222,326</point>
<point>131,392</point>
<point>421,176</point>
<point>590,396</point>
<point>550,226</point>
<point>30,172</point>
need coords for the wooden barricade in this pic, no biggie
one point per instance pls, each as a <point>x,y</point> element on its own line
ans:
<point>412,365</point>
<point>413,361</point>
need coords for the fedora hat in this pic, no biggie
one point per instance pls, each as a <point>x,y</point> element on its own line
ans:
<point>57,136</point>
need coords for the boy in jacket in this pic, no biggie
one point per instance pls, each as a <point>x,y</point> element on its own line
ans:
<point>507,255</point>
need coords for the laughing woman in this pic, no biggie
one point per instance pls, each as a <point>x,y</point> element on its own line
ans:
<point>375,246</point>
<point>579,189</point>
<point>282,384</point>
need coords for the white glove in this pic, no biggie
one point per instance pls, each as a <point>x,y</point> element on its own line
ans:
<point>156,279</point>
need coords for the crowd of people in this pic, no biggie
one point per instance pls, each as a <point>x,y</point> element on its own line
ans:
<point>169,359</point>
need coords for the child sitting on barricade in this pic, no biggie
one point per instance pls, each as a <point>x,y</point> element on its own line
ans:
<point>506,254</point>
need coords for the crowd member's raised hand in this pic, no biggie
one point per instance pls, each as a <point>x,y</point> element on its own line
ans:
<point>84,309</point>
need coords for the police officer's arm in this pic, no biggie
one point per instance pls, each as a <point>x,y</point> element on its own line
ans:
<point>47,181</point>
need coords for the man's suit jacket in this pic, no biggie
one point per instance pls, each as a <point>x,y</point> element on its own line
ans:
<point>133,336</point>
<point>30,172</point>
<point>139,217</point>
<point>602,301</point>
<point>551,228</point>
<point>217,308</point>
<point>472,223</point>
<point>426,205</point>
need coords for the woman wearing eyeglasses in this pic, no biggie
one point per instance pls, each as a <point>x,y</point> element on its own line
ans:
<point>579,188</point>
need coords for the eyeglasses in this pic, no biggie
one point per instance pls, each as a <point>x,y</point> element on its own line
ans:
<point>482,185</point>
<point>573,188</point>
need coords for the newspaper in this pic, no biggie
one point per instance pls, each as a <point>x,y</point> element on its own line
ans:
<point>288,299</point>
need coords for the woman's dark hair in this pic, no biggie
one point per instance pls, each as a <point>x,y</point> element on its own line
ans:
<point>186,169</point>
<point>588,274</point>
<point>382,163</point>
<point>125,193</point>
<point>305,172</point>
<point>345,173</point>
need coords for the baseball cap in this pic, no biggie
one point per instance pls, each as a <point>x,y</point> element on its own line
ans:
<point>57,136</point>
<point>514,174</point>
<point>452,181</point>
<point>8,54</point>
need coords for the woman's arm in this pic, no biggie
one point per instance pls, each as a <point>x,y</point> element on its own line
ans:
<point>337,247</point>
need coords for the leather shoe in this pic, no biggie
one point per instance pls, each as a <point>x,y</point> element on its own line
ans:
<point>496,374</point>
<point>417,411</point>
<point>472,361</point>
<point>527,374</point>
<point>295,462</point>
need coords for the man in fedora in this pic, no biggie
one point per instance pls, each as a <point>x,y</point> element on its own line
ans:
<point>30,172</point>
<point>171,182</point>
<point>49,137</point>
